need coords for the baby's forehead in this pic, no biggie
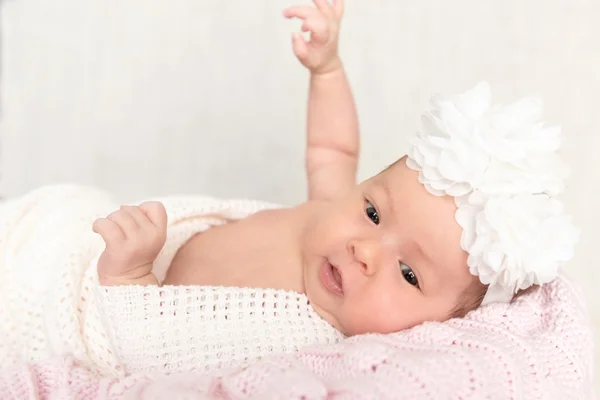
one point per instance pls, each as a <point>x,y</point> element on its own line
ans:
<point>404,188</point>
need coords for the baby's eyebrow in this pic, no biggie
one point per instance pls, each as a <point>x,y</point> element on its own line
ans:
<point>423,253</point>
<point>388,193</point>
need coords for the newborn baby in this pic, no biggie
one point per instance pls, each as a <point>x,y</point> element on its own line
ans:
<point>378,257</point>
<point>466,216</point>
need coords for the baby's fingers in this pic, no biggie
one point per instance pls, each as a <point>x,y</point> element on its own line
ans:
<point>140,218</point>
<point>299,46</point>
<point>301,12</point>
<point>156,213</point>
<point>317,26</point>
<point>324,6</point>
<point>125,222</point>
<point>109,230</point>
<point>338,8</point>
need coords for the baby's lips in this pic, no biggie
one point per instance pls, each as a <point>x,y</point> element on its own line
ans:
<point>337,274</point>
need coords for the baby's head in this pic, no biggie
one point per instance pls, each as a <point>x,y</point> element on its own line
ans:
<point>467,217</point>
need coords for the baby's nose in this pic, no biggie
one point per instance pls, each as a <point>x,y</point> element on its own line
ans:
<point>365,253</point>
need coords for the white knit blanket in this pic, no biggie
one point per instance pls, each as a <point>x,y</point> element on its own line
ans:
<point>51,303</point>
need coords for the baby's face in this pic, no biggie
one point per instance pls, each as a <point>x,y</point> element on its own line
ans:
<point>386,257</point>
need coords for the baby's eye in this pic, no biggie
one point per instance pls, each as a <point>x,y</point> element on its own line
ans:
<point>409,275</point>
<point>372,213</point>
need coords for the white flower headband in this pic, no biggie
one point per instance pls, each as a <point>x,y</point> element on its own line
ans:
<point>500,165</point>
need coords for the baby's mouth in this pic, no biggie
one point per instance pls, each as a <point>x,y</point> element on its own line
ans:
<point>331,278</point>
<point>337,276</point>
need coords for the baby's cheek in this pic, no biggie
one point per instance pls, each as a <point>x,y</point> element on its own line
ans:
<point>372,316</point>
<point>346,227</point>
<point>334,230</point>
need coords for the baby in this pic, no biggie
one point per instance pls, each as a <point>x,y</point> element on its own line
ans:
<point>466,216</point>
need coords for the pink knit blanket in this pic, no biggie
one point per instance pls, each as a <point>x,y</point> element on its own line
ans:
<point>540,347</point>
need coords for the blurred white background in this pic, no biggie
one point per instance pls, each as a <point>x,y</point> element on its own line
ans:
<point>149,97</point>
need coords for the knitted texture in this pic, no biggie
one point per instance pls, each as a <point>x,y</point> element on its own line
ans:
<point>51,303</point>
<point>539,347</point>
<point>205,328</point>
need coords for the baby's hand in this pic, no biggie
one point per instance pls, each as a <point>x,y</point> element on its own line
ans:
<point>134,235</point>
<point>320,54</point>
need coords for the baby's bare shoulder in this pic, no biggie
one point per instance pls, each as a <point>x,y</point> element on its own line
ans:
<point>256,243</point>
<point>266,221</point>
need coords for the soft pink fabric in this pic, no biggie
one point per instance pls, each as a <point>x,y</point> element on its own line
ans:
<point>539,347</point>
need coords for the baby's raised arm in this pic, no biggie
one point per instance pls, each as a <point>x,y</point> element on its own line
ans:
<point>134,235</point>
<point>332,125</point>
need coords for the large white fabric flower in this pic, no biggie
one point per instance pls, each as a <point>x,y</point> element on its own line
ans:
<point>514,241</point>
<point>466,143</point>
<point>500,165</point>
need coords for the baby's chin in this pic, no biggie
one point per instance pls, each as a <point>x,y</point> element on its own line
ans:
<point>328,316</point>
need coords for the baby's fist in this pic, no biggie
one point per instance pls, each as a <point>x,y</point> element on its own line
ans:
<point>134,235</point>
